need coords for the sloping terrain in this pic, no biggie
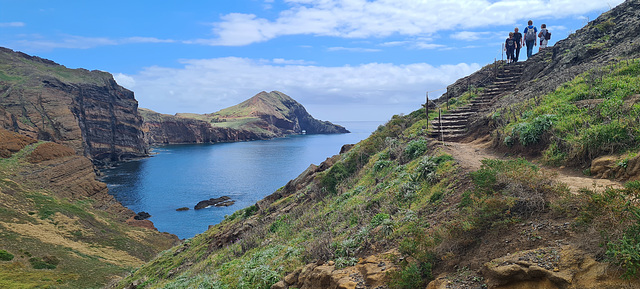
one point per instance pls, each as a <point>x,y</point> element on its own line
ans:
<point>59,228</point>
<point>274,113</point>
<point>264,116</point>
<point>404,210</point>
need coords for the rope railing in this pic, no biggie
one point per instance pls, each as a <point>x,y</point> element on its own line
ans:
<point>483,82</point>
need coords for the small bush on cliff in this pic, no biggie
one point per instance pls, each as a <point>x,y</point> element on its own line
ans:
<point>44,263</point>
<point>415,148</point>
<point>5,256</point>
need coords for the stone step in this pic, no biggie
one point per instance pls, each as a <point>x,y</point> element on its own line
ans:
<point>448,137</point>
<point>449,128</point>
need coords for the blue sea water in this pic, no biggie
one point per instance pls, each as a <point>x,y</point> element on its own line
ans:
<point>182,175</point>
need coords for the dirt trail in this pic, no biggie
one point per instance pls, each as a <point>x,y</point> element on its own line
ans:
<point>470,155</point>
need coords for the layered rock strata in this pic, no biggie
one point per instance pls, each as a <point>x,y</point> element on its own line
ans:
<point>85,110</point>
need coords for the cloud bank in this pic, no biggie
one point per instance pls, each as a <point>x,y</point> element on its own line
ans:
<point>383,18</point>
<point>373,91</point>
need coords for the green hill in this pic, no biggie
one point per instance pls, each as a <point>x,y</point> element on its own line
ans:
<point>403,210</point>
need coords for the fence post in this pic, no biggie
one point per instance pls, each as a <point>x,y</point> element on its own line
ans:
<point>447,100</point>
<point>426,109</point>
<point>440,122</point>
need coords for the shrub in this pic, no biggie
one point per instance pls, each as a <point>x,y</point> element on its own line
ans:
<point>408,277</point>
<point>378,219</point>
<point>531,132</point>
<point>625,251</point>
<point>415,148</point>
<point>39,263</point>
<point>343,262</point>
<point>5,256</point>
<point>249,211</point>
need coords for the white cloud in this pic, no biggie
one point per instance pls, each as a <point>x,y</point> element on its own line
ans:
<point>37,43</point>
<point>353,49</point>
<point>208,85</point>
<point>12,24</point>
<point>381,18</point>
<point>125,80</point>
<point>291,62</point>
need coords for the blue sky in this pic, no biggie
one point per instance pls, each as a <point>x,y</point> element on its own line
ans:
<point>343,60</point>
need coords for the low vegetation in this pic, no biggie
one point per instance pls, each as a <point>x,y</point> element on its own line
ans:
<point>53,242</point>
<point>394,189</point>
<point>597,113</point>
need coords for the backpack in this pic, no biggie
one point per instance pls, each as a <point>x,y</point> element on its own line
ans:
<point>531,34</point>
<point>547,36</point>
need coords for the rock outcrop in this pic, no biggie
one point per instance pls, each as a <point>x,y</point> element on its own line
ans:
<point>552,267</point>
<point>223,201</point>
<point>264,116</point>
<point>85,110</point>
<point>168,129</point>
<point>370,272</point>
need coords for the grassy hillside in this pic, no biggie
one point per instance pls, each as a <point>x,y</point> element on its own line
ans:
<point>50,241</point>
<point>398,191</point>
<point>596,113</point>
<point>433,219</point>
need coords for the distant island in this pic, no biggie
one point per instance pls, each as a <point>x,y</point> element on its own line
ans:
<point>264,116</point>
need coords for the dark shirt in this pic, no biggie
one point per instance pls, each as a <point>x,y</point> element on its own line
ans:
<point>510,43</point>
<point>517,36</point>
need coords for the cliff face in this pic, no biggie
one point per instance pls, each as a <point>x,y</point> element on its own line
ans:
<point>168,129</point>
<point>55,214</point>
<point>85,110</point>
<point>264,116</point>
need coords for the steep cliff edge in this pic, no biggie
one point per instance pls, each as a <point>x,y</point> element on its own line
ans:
<point>85,110</point>
<point>60,224</point>
<point>168,129</point>
<point>264,116</point>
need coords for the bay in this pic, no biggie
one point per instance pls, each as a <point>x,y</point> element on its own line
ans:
<point>182,175</point>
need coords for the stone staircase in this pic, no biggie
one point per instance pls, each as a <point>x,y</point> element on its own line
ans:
<point>453,125</point>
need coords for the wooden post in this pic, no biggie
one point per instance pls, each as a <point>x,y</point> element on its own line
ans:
<point>440,122</point>
<point>447,100</point>
<point>426,109</point>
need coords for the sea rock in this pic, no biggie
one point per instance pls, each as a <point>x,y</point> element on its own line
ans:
<point>142,216</point>
<point>223,201</point>
<point>182,209</point>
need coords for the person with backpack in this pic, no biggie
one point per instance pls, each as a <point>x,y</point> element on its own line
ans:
<point>510,46</point>
<point>530,35</point>
<point>544,36</point>
<point>517,36</point>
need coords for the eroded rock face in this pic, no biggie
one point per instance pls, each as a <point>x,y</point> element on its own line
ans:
<point>168,129</point>
<point>370,272</point>
<point>616,167</point>
<point>85,110</point>
<point>552,267</point>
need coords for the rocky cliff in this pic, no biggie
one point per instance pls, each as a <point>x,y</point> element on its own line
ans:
<point>59,224</point>
<point>168,129</point>
<point>264,116</point>
<point>85,110</point>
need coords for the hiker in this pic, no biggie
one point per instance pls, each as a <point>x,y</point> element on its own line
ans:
<point>530,35</point>
<point>517,36</point>
<point>544,36</point>
<point>510,47</point>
